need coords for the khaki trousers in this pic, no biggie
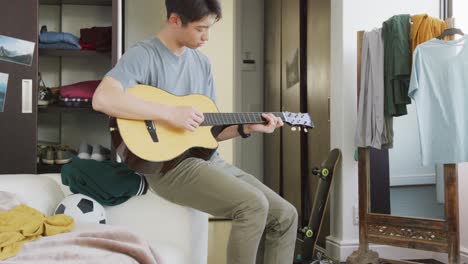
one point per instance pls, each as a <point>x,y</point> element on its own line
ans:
<point>223,190</point>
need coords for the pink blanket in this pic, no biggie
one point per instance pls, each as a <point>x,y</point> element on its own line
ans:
<point>88,244</point>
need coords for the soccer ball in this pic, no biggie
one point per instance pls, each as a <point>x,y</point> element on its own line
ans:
<point>82,208</point>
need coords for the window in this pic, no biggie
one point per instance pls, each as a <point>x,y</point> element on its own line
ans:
<point>459,13</point>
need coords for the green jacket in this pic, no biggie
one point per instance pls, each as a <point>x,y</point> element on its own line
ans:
<point>397,64</point>
<point>108,182</point>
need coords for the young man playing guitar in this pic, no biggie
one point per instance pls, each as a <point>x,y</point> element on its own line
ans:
<point>171,61</point>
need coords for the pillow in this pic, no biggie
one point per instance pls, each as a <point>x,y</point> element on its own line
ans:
<point>37,191</point>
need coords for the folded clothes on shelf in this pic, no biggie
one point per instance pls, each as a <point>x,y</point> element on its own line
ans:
<point>63,46</point>
<point>99,38</point>
<point>57,40</point>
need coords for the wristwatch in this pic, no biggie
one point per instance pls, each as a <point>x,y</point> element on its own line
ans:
<point>240,129</point>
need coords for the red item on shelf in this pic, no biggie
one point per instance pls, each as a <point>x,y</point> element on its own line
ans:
<point>84,89</point>
<point>85,46</point>
<point>100,37</point>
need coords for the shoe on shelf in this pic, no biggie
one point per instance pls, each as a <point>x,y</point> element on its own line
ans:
<point>44,94</point>
<point>40,152</point>
<point>100,153</point>
<point>85,151</point>
<point>48,155</point>
<point>64,155</point>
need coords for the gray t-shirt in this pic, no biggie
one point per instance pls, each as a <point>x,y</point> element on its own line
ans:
<point>150,62</point>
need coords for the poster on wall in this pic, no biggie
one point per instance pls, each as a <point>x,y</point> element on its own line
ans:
<point>16,50</point>
<point>3,89</point>
<point>292,69</point>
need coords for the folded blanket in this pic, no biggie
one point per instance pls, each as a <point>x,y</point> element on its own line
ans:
<point>59,37</point>
<point>23,223</point>
<point>88,244</point>
<point>63,46</point>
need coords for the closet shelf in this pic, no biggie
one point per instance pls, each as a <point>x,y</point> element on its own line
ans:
<point>76,2</point>
<point>62,109</point>
<point>72,53</point>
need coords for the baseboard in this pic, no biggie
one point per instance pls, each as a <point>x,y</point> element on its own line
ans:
<point>340,250</point>
<point>464,255</point>
<point>413,179</point>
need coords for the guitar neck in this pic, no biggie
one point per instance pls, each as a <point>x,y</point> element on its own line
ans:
<point>221,119</point>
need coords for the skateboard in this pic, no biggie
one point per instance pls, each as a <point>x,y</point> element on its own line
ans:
<point>307,235</point>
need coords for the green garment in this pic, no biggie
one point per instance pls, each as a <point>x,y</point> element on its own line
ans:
<point>397,64</point>
<point>108,182</point>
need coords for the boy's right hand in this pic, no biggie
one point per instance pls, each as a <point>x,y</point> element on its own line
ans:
<point>186,117</point>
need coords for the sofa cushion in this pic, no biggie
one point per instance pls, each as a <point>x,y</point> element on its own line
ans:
<point>39,192</point>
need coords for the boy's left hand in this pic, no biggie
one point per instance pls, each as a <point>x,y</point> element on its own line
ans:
<point>273,123</point>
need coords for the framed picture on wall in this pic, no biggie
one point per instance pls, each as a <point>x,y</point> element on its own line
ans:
<point>292,69</point>
<point>3,89</point>
<point>16,50</point>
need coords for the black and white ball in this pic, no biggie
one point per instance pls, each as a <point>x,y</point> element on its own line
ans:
<point>82,208</point>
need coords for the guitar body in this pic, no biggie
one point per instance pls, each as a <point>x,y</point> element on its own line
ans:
<point>131,136</point>
<point>148,146</point>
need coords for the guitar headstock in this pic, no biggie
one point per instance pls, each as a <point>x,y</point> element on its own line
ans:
<point>298,120</point>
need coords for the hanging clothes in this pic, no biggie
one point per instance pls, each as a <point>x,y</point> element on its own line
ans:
<point>397,64</point>
<point>425,28</point>
<point>439,87</point>
<point>372,129</point>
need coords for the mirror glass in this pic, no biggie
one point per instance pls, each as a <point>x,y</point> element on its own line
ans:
<point>400,184</point>
<point>415,190</point>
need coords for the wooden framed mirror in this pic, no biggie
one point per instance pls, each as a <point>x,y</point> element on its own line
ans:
<point>378,225</point>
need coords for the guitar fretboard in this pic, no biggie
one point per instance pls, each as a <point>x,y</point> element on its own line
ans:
<point>219,119</point>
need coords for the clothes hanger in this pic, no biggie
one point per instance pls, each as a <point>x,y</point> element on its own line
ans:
<point>450,32</point>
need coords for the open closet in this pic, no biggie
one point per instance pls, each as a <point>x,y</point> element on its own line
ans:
<point>55,122</point>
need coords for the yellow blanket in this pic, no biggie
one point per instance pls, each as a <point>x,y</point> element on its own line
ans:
<point>425,28</point>
<point>23,223</point>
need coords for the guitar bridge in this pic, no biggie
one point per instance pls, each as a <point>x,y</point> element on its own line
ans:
<point>151,130</point>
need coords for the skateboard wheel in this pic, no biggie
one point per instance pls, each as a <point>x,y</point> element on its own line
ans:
<point>325,172</point>
<point>309,233</point>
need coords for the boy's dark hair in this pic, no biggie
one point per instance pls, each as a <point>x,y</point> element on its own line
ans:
<point>193,10</point>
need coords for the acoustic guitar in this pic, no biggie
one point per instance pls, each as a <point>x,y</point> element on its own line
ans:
<point>144,144</point>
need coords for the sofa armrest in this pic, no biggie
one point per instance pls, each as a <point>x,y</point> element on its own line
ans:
<point>36,191</point>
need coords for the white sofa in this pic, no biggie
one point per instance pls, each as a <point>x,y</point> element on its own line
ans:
<point>179,234</point>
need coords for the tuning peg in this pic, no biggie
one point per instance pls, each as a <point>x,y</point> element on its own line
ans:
<point>293,128</point>
<point>299,128</point>
<point>305,130</point>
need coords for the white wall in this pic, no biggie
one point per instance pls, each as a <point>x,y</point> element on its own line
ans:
<point>348,17</point>
<point>249,94</point>
<point>143,19</point>
<point>462,22</point>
